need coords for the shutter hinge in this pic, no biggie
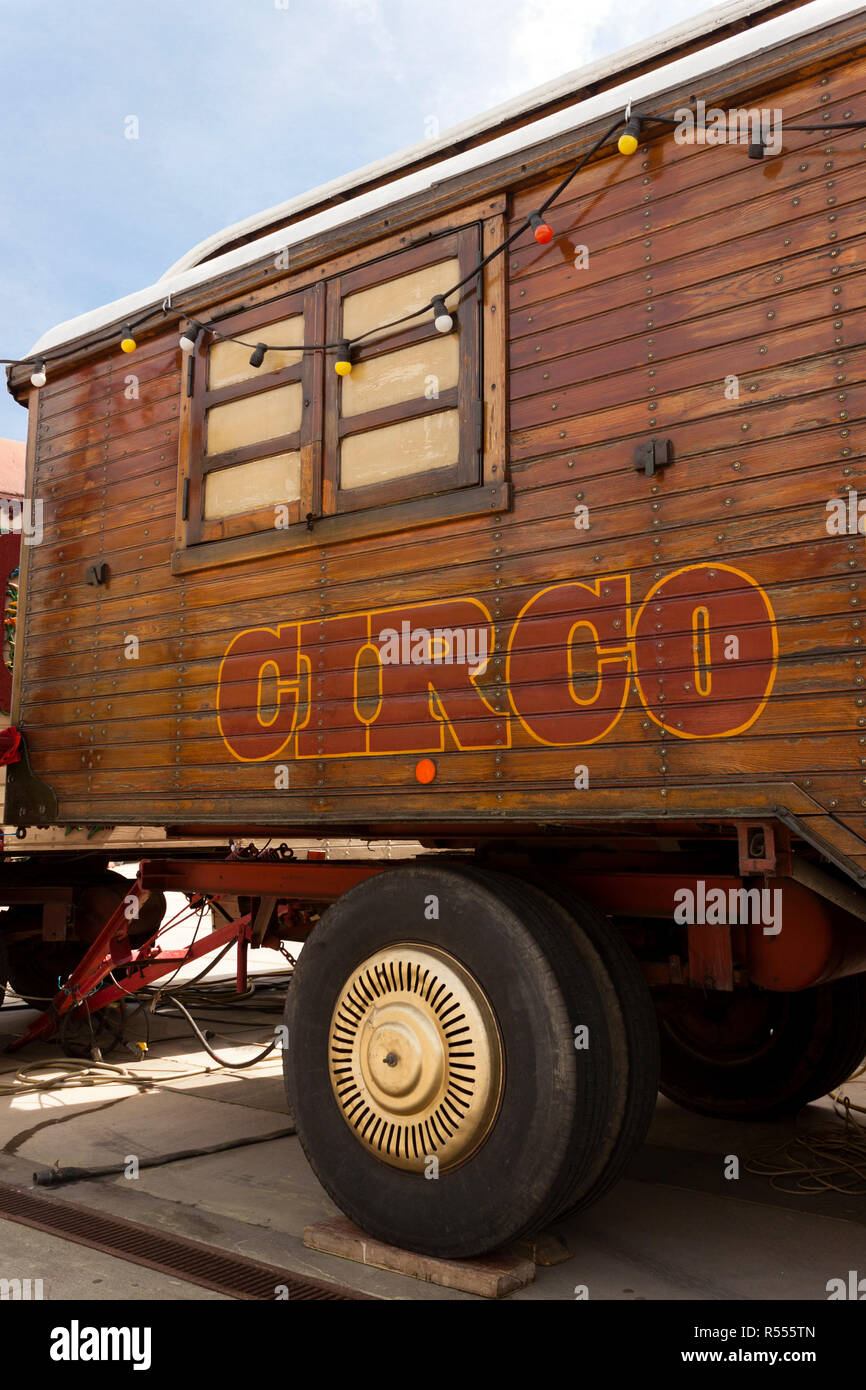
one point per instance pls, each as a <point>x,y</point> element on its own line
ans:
<point>653,454</point>
<point>96,574</point>
<point>184,506</point>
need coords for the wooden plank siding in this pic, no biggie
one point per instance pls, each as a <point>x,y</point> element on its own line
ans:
<point>703,265</point>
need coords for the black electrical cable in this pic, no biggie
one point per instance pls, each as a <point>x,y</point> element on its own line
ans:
<point>646,117</point>
<point>504,245</point>
<point>405,318</point>
<point>233,1066</point>
<point>187,984</point>
<point>239,1025</point>
<point>427,308</point>
<point>70,351</point>
<point>183,962</point>
<point>57,1176</point>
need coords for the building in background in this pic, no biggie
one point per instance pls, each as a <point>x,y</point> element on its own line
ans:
<point>12,453</point>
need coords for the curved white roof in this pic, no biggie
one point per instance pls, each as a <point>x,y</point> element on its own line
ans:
<point>190,270</point>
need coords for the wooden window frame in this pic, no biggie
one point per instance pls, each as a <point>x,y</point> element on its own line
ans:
<point>237,542</point>
<point>465,247</point>
<point>304,441</point>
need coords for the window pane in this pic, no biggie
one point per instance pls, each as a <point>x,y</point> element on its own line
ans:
<point>252,485</point>
<point>365,309</point>
<point>229,362</point>
<point>402,376</point>
<point>266,415</point>
<point>398,451</point>
<point>262,483</point>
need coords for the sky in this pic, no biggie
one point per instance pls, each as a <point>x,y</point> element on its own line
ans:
<point>238,105</point>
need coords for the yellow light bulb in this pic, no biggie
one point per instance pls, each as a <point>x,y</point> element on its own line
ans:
<point>342,368</point>
<point>127,345</point>
<point>627,144</point>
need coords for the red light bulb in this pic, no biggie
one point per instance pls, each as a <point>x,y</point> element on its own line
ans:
<point>541,230</point>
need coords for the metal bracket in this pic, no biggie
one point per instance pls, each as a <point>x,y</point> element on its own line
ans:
<point>262,920</point>
<point>29,800</point>
<point>55,920</point>
<point>97,574</point>
<point>711,960</point>
<point>653,454</point>
<point>764,848</point>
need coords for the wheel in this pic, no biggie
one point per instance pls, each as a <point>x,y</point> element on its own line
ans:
<point>35,967</point>
<point>99,1032</point>
<point>432,1065</point>
<point>758,1054</point>
<point>632,1017</point>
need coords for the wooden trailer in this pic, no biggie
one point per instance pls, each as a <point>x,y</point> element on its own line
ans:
<point>502,497</point>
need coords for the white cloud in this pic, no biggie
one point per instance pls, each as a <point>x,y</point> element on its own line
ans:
<point>552,37</point>
<point>549,37</point>
<point>371,15</point>
<point>506,49</point>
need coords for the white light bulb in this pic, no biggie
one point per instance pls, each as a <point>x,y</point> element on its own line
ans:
<point>189,337</point>
<point>442,320</point>
<point>38,376</point>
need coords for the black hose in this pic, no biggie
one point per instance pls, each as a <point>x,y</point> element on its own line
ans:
<point>56,1177</point>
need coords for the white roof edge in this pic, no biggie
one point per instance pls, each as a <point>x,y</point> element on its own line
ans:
<point>769,34</point>
<point>696,27</point>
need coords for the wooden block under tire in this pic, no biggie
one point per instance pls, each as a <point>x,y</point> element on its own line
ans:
<point>488,1276</point>
<point>546,1249</point>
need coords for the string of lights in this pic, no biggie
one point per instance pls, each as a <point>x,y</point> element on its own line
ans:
<point>345,349</point>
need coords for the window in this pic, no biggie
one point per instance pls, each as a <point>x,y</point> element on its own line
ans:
<point>288,454</point>
<point>406,422</point>
<point>250,434</point>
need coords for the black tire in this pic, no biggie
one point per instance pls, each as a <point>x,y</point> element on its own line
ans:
<point>102,1031</point>
<point>757,1055</point>
<point>634,1013</point>
<point>541,983</point>
<point>35,966</point>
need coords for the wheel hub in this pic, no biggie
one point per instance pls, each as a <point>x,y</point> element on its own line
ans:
<point>416,1057</point>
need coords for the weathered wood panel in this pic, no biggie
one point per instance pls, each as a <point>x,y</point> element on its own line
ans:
<point>704,267</point>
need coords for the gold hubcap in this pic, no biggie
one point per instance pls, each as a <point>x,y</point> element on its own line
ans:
<point>416,1058</point>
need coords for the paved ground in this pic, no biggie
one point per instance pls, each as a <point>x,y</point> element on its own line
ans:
<point>674,1228</point>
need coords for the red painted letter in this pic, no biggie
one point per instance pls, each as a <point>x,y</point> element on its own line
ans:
<point>541,660</point>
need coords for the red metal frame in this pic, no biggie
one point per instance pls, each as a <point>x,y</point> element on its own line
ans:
<point>112,950</point>
<point>318,882</point>
<point>804,955</point>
